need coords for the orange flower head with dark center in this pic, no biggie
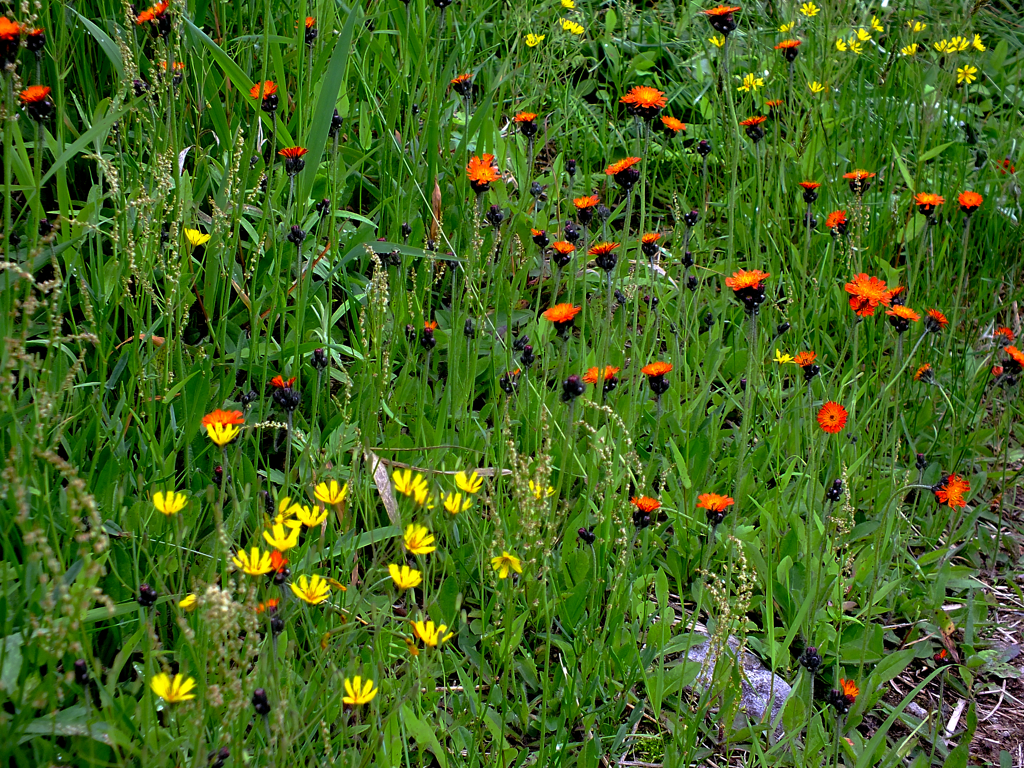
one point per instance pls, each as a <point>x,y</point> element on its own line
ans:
<point>832,417</point>
<point>903,313</point>
<point>270,606</point>
<point>787,44</point>
<point>656,369</point>
<point>622,165</point>
<point>602,249</point>
<point>859,180</point>
<point>752,126</point>
<point>34,94</point>
<point>836,220</point>
<point>751,121</point>
<point>281,383</point>
<point>866,293</point>
<point>743,279</point>
<point>590,201</point>
<point>463,85</point>
<point>803,359</point>
<point>713,502</point>
<point>278,561</point>
<point>268,89</point>
<point>927,202</point>
<point>952,490</point>
<point>563,247</point>
<point>721,18</point>
<point>850,690</point>
<point>935,321</point>
<point>644,101</point>
<point>291,153</point>
<point>924,372</point>
<point>482,172</point>
<point>310,22</point>
<point>593,374</point>
<point>624,172</point>
<point>774,103</point>
<point>430,325</point>
<point>810,185</point>
<point>561,314</point>
<point>525,117</point>
<point>969,201</point>
<point>645,503</point>
<point>1016,355</point>
<point>1004,335</point>
<point>672,124</point>
<point>721,10</point>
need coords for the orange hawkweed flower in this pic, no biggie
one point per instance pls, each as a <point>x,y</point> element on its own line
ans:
<point>482,171</point>
<point>36,100</point>
<point>562,315</point>
<point>526,123</point>
<point>1016,356</point>
<point>721,18</point>
<point>832,417</point>
<point>586,202</point>
<point>721,10</point>
<point>525,117</point>
<point>924,373</point>
<point>463,85</point>
<point>292,152</point>
<point>430,325</point>
<point>746,279</point>
<point>645,503</point>
<point>804,359</point>
<point>281,383</point>
<point>859,180</point>
<point>789,48</point>
<point>293,159</point>
<point>836,221</point>
<point>563,252</point>
<point>866,293</point>
<point>935,321</point>
<point>223,426</point>
<point>602,249</point>
<point>263,90</point>
<point>656,369</point>
<point>650,237</point>
<point>1003,335</point>
<point>605,256</point>
<point>672,124</point>
<point>969,202</point>
<point>9,30</point>
<point>607,376</point>
<point>850,690</point>
<point>900,317</point>
<point>714,506</point>
<point>951,491</point>
<point>752,126</point>
<point>756,120</point>
<point>809,184</point>
<point>624,172</point>
<point>927,202</point>
<point>270,606</point>
<point>644,101</point>
<point>153,13</point>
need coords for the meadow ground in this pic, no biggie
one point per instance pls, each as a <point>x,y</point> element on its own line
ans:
<point>432,383</point>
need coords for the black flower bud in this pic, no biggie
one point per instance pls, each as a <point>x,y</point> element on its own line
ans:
<point>324,206</point>
<point>468,330</point>
<point>810,371</point>
<point>570,166</point>
<point>427,339</point>
<point>691,282</point>
<point>810,659</point>
<point>688,259</point>
<point>586,535</point>
<point>287,398</point>
<point>406,231</point>
<point>528,357</point>
<point>260,702</point>
<point>81,671</point>
<point>540,237</point>
<point>572,388</point>
<point>704,148</point>
<point>691,218</point>
<point>335,125</point>
<point>276,625</point>
<point>296,235</point>
<point>318,359</point>
<point>572,234</point>
<point>281,576</point>
<point>835,492</point>
<point>494,216</point>
<point>147,596</point>
<point>922,461</point>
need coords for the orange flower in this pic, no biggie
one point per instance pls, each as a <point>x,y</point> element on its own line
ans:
<point>721,10</point>
<point>925,372</point>
<point>524,117</point>
<point>997,370</point>
<point>223,426</point>
<point>903,313</point>
<point>813,185</point>
<point>936,320</point>
<point>746,279</point>
<point>1004,335</point>
<point>804,359</point>
<point>563,247</point>
<point>11,30</point>
<point>34,94</point>
<point>482,171</point>
<point>951,491</point>
<point>969,201</point>
<point>866,293</point>
<point>1016,355</point>
<point>310,22</point>
<point>270,606</point>
<point>430,325</point>
<point>671,124</point>
<point>650,237</point>
<point>622,165</point>
<point>785,45</point>
<point>713,502</point>
<point>644,101</point>
<point>774,103</point>
<point>928,202</point>
<point>836,220</point>
<point>223,417</point>
<point>850,690</point>
<point>463,85</point>
<point>280,383</point>
<point>291,153</point>
<point>153,13</point>
<point>593,374</point>
<point>268,89</point>
<point>859,180</point>
<point>602,249</point>
<point>562,313</point>
<point>656,369</point>
<point>832,417</point>
<point>751,121</point>
<point>586,202</point>
<point>278,561</point>
<point>645,503</point>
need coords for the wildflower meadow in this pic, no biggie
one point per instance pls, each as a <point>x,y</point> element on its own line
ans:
<point>574,383</point>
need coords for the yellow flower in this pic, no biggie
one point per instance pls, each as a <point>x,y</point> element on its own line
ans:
<point>966,74</point>
<point>571,26</point>
<point>539,492</point>
<point>816,87</point>
<point>876,24</point>
<point>280,539</point>
<point>810,10</point>
<point>717,40</point>
<point>173,689</point>
<point>408,484</point>
<point>313,590</point>
<point>978,45</point>
<point>941,46</point>
<point>532,40</point>
<point>418,540</point>
<point>916,26</point>
<point>506,562</point>
<point>196,238</point>
<point>909,50</point>
<point>358,692</point>
<point>404,576</point>
<point>568,4</point>
<point>310,516</point>
<point>470,483</point>
<point>223,426</point>
<point>170,503</point>
<point>253,562</point>
<point>188,602</point>
<point>863,35</point>
<point>751,82</point>
<point>286,511</point>
<point>958,45</point>
<point>331,493</point>
<point>430,635</point>
<point>779,357</point>
<point>456,502</point>
<point>840,44</point>
<point>787,27</point>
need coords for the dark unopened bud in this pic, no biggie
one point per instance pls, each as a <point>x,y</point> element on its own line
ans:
<point>468,330</point>
<point>810,659</point>
<point>537,190</point>
<point>586,535</point>
<point>427,338</point>
<point>570,166</point>
<point>602,212</point>
<point>324,206</point>
<point>743,383</point>
<point>219,757</point>
<point>835,492</point>
<point>311,35</point>
<point>276,625</point>
<point>540,237</point>
<point>528,357</point>
<point>691,218</point>
<point>782,328</point>
<point>260,702</point>
<point>147,596</point>
<point>641,519</point>
<point>572,233</point>
<point>922,461</point>
<point>572,388</point>
<point>318,359</point>
<point>45,227</point>
<point>248,398</point>
<point>81,671</point>
<point>688,259</point>
<point>691,282</point>
<point>296,235</point>
<point>620,297</point>
<point>218,475</point>
<point>495,216</point>
<point>810,371</point>
<point>703,148</point>
<point>281,576</point>
<point>336,122</point>
<point>406,230</point>
<point>709,319</point>
<point>287,397</point>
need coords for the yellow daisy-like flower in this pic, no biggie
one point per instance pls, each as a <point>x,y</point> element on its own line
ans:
<point>751,82</point>
<point>254,562</point>
<point>958,44</point>
<point>810,10</point>
<point>286,511</point>
<point>173,689</point>
<point>310,516</point>
<point>863,35</point>
<point>717,40</point>
<point>909,50</point>
<point>941,46</point>
<point>404,576</point>
<point>815,86</point>
<point>223,426</point>
<point>418,540</point>
<point>876,24</point>
<point>281,539</point>
<point>856,46</point>
<point>916,26</point>
<point>431,635</point>
<point>782,359</point>
<point>470,483</point>
<point>196,238</point>
<point>358,692</point>
<point>966,74</point>
<point>456,502</point>
<point>506,562</point>
<point>568,4</point>
<point>571,26</point>
<point>787,27</point>
<point>539,492</point>
<point>841,44</point>
<point>978,45</point>
<point>188,602</point>
<point>532,40</point>
<point>170,503</point>
<point>408,484</point>
<point>331,493</point>
<point>313,590</point>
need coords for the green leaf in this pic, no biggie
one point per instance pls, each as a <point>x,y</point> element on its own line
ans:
<point>936,151</point>
<point>109,46</point>
<point>424,735</point>
<point>11,661</point>
<point>904,171</point>
<point>867,757</point>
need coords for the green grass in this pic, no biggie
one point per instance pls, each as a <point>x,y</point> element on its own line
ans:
<point>120,336</point>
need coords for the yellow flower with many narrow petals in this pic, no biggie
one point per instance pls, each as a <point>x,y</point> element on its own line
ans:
<point>810,10</point>
<point>281,539</point>
<point>876,24</point>
<point>408,484</point>
<point>570,4</point>
<point>532,40</point>
<point>470,483</point>
<point>170,503</point>
<point>571,26</point>
<point>978,45</point>
<point>404,576</point>
<point>254,562</point>
<point>782,359</point>
<point>358,692</point>
<point>958,44</point>
<point>418,540</point>
<point>540,492</point>
<point>856,46</point>
<point>717,40</point>
<point>456,502</point>
<point>188,602</point>
<point>310,516</point>
<point>173,689</point>
<point>916,26</point>
<point>966,74</point>
<point>313,590</point>
<point>909,50</point>
<point>941,46</point>
<point>331,492</point>
<point>751,82</point>
<point>196,238</point>
<point>431,635</point>
<point>223,426</point>
<point>506,562</point>
<point>786,27</point>
<point>863,35</point>
<point>841,44</point>
<point>815,86</point>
